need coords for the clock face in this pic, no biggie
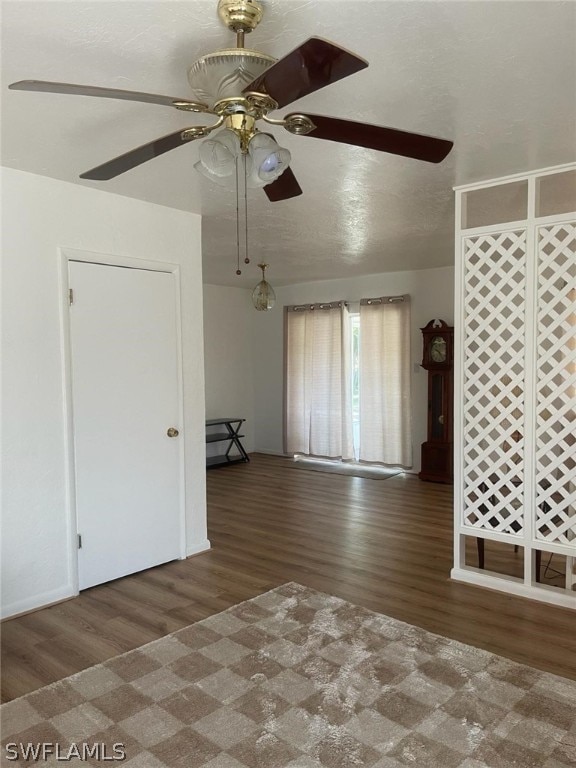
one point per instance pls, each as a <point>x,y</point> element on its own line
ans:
<point>438,350</point>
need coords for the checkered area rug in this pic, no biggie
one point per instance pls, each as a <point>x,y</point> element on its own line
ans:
<point>299,679</point>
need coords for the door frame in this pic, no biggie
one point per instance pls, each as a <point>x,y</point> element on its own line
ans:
<point>67,255</point>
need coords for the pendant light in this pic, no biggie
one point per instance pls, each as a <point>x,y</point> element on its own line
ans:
<point>263,296</point>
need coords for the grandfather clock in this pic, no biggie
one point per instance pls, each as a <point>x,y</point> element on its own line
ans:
<point>437,359</point>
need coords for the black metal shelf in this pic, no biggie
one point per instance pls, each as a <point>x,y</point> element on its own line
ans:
<point>232,436</point>
<point>219,438</point>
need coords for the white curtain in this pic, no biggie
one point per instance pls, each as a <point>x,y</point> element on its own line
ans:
<point>385,407</point>
<point>318,402</point>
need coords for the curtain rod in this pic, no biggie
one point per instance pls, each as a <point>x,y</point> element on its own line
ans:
<point>322,305</point>
<point>338,304</point>
<point>384,300</point>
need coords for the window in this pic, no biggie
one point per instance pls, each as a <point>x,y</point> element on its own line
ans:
<point>385,381</point>
<point>348,381</point>
<point>355,365</point>
<point>318,386</point>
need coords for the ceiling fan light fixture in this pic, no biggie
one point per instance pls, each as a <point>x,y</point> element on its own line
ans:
<point>221,181</point>
<point>218,154</point>
<point>270,160</point>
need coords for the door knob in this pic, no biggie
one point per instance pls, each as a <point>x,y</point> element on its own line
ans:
<point>172,432</point>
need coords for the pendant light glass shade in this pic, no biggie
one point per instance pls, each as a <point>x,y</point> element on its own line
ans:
<point>263,296</point>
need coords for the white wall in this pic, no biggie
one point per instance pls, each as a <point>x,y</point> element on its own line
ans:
<point>432,296</point>
<point>228,357</point>
<point>39,216</point>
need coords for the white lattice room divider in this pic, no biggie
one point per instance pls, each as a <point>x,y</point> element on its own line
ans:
<point>494,309</point>
<point>556,385</point>
<point>515,384</point>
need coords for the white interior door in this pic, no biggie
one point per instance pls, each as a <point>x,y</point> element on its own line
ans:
<point>125,398</point>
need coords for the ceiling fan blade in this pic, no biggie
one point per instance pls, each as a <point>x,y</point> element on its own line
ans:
<point>414,145</point>
<point>135,157</point>
<point>93,90</point>
<point>285,187</point>
<point>311,66</point>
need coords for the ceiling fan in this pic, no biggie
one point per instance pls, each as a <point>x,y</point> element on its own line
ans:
<point>239,87</point>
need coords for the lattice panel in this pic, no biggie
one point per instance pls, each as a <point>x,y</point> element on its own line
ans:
<point>556,385</point>
<point>494,314</point>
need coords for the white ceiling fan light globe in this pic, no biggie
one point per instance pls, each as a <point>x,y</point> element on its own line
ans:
<point>270,160</point>
<point>221,181</point>
<point>218,154</point>
<point>264,162</point>
<point>274,165</point>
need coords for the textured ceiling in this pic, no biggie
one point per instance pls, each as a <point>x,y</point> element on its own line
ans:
<point>498,78</point>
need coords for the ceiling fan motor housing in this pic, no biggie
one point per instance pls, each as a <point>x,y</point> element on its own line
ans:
<point>240,15</point>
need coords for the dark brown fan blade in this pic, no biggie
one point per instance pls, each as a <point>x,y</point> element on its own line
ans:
<point>135,157</point>
<point>285,187</point>
<point>313,65</point>
<point>92,90</point>
<point>414,145</point>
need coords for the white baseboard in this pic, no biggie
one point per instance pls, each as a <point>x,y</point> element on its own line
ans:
<point>500,583</point>
<point>272,453</point>
<point>19,607</point>
<point>196,549</point>
<point>11,610</point>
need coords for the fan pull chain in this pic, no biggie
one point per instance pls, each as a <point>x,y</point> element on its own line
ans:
<point>246,258</point>
<point>241,212</point>
<point>238,270</point>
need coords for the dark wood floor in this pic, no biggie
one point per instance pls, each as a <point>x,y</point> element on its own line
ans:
<point>384,544</point>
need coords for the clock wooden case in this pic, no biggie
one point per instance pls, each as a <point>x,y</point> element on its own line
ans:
<point>437,358</point>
